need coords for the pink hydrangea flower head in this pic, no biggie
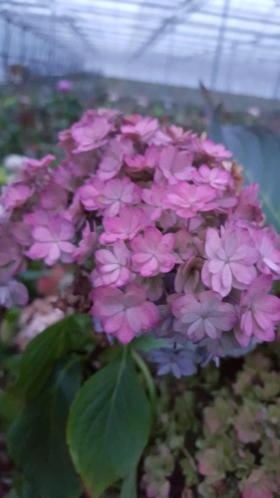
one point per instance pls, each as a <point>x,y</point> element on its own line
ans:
<point>112,266</point>
<point>152,252</point>
<point>175,165</point>
<point>201,315</point>
<point>187,199</point>
<point>259,312</point>
<point>51,241</point>
<point>125,226</point>
<point>124,314</point>
<point>230,261</point>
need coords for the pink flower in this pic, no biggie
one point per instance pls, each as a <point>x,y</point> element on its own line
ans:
<point>248,206</point>
<point>152,252</point>
<point>259,312</point>
<point>116,194</point>
<point>141,128</point>
<point>124,314</point>
<point>10,257</point>
<point>125,226</point>
<point>217,178</point>
<point>86,245</point>
<point>258,485</point>
<point>89,193</point>
<point>13,293</point>
<point>175,164</point>
<point>90,132</point>
<point>112,266</point>
<point>230,260</point>
<point>269,253</point>
<point>154,197</point>
<point>36,169</point>
<point>217,151</point>
<point>188,199</point>
<point>51,241</point>
<point>64,86</point>
<point>53,196</point>
<point>202,315</point>
<point>16,195</point>
<point>111,162</point>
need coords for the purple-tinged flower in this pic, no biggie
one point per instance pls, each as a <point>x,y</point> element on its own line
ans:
<point>187,200</point>
<point>112,266</point>
<point>111,162</point>
<point>90,132</point>
<point>152,252</point>
<point>117,193</point>
<point>141,128</point>
<point>178,361</point>
<point>51,241</point>
<point>124,314</point>
<point>259,312</point>
<point>16,195</point>
<point>64,86</point>
<point>213,150</point>
<point>12,293</point>
<point>125,226</point>
<point>230,262</point>
<point>201,315</point>
<point>86,245</point>
<point>217,178</point>
<point>269,253</point>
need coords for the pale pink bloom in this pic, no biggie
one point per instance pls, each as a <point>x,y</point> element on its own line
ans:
<point>216,151</point>
<point>141,128</point>
<point>52,241</point>
<point>112,266</point>
<point>90,132</point>
<point>201,315</point>
<point>217,178</point>
<point>86,245</point>
<point>124,226</point>
<point>111,162</point>
<point>269,253</point>
<point>16,195</point>
<point>230,260</point>
<point>89,193</point>
<point>13,293</point>
<point>124,314</point>
<point>152,252</point>
<point>259,312</point>
<point>115,194</point>
<point>188,199</point>
<point>175,165</point>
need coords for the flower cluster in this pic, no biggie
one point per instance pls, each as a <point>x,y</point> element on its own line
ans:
<point>157,220</point>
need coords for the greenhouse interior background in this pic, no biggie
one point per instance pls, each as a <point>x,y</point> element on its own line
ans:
<point>139,248</point>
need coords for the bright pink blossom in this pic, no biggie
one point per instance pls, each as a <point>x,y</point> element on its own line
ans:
<point>124,314</point>
<point>230,261</point>
<point>175,165</point>
<point>124,226</point>
<point>188,199</point>
<point>141,128</point>
<point>52,241</point>
<point>201,315</point>
<point>217,151</point>
<point>117,193</point>
<point>259,312</point>
<point>152,252</point>
<point>217,178</point>
<point>91,132</point>
<point>112,266</point>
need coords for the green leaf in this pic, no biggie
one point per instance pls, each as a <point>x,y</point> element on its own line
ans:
<point>109,425</point>
<point>37,442</point>
<point>129,486</point>
<point>56,342</point>
<point>258,151</point>
<point>148,342</point>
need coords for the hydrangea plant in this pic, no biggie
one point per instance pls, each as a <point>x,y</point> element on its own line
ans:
<point>165,246</point>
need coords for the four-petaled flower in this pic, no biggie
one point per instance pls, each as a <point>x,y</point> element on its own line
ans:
<point>152,252</point>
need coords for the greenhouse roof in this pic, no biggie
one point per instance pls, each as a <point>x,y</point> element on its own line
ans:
<point>229,45</point>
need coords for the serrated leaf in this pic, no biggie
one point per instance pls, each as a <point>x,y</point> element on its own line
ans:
<point>37,442</point>
<point>109,425</point>
<point>56,342</point>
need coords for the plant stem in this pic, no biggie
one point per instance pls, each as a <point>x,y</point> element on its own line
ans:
<point>149,381</point>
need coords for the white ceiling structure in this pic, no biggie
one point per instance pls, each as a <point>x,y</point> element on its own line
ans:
<point>229,45</point>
